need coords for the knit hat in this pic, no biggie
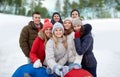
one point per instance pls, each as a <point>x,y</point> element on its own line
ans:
<point>47,24</point>
<point>68,19</point>
<point>76,21</point>
<point>57,25</point>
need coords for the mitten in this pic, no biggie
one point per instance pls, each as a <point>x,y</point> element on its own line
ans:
<point>65,70</point>
<point>57,69</point>
<point>49,71</point>
<point>77,34</point>
<point>74,66</point>
<point>37,64</point>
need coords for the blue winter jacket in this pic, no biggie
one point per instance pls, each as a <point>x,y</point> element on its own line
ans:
<point>84,46</point>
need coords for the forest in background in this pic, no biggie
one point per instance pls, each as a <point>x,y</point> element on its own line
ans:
<point>89,9</point>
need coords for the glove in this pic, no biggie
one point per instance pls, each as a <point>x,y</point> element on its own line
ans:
<point>49,71</point>
<point>65,70</point>
<point>77,34</point>
<point>74,66</point>
<point>57,69</point>
<point>37,64</point>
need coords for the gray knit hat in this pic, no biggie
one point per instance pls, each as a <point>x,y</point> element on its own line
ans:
<point>76,21</point>
<point>57,25</point>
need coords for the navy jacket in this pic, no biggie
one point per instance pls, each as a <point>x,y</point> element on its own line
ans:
<point>84,46</point>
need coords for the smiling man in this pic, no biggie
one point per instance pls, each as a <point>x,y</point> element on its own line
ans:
<point>29,33</point>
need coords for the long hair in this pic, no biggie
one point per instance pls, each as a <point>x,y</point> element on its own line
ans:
<point>82,30</point>
<point>64,41</point>
<point>67,32</point>
<point>43,36</point>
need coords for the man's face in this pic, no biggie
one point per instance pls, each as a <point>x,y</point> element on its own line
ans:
<point>36,19</point>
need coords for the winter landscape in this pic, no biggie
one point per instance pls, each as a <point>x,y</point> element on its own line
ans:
<point>106,45</point>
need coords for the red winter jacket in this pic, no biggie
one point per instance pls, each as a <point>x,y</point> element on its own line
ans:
<point>37,50</point>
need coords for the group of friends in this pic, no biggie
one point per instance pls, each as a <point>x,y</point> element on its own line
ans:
<point>57,48</point>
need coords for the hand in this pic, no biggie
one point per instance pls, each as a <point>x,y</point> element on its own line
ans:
<point>65,70</point>
<point>58,69</point>
<point>75,66</point>
<point>37,64</point>
<point>49,71</point>
<point>77,34</point>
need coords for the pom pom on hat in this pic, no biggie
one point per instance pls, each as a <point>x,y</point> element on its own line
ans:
<point>47,24</point>
<point>46,20</point>
<point>57,25</point>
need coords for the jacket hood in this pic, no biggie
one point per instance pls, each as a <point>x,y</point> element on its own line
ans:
<point>87,29</point>
<point>31,23</point>
<point>41,35</point>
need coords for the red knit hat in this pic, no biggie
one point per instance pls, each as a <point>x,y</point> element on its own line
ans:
<point>47,24</point>
<point>78,73</point>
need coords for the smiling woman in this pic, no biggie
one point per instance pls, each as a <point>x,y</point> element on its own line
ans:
<point>107,47</point>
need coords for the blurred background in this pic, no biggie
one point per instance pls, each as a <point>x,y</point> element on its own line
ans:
<point>89,9</point>
<point>103,15</point>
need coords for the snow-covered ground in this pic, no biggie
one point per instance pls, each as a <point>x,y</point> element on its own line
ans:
<point>106,45</point>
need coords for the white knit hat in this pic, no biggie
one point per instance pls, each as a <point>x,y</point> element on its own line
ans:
<point>57,25</point>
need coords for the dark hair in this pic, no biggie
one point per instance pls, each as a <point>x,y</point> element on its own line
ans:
<point>35,13</point>
<point>75,10</point>
<point>52,20</point>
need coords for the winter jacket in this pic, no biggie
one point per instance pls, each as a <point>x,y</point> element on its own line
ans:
<point>27,36</point>
<point>37,50</point>
<point>84,45</point>
<point>55,55</point>
<point>73,56</point>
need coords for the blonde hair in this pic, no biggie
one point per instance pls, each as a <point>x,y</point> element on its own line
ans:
<point>64,41</point>
<point>43,36</point>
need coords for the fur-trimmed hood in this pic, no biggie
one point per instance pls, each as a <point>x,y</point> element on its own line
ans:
<point>41,35</point>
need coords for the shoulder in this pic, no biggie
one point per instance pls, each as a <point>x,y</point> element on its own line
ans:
<point>50,40</point>
<point>88,36</point>
<point>41,35</point>
<point>71,35</point>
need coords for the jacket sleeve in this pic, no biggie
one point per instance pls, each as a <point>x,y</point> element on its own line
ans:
<point>34,50</point>
<point>50,59</point>
<point>63,60</point>
<point>23,41</point>
<point>82,47</point>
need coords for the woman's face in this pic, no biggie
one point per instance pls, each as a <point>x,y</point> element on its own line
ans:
<point>58,32</point>
<point>67,25</point>
<point>77,27</point>
<point>48,32</point>
<point>56,17</point>
<point>75,14</point>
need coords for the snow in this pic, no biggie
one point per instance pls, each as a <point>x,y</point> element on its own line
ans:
<point>106,45</point>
